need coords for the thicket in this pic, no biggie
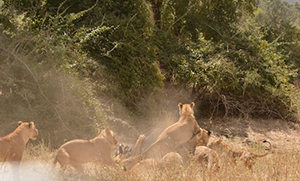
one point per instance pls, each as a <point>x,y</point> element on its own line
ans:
<point>63,62</point>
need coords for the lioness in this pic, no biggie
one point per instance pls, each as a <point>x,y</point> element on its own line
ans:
<point>201,139</point>
<point>207,157</point>
<point>171,158</point>
<point>12,145</point>
<point>242,155</point>
<point>148,167</point>
<point>172,137</point>
<point>79,151</point>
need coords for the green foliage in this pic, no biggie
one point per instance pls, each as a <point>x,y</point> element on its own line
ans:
<point>124,46</point>
<point>214,19</point>
<point>278,21</point>
<point>35,87</point>
<point>245,61</point>
<point>249,76</point>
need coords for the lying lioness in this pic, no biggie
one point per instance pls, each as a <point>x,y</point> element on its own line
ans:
<point>207,157</point>
<point>242,155</point>
<point>78,152</point>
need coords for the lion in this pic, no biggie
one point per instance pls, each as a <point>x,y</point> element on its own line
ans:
<point>172,158</point>
<point>187,150</point>
<point>242,155</point>
<point>147,168</point>
<point>142,143</point>
<point>12,145</point>
<point>207,157</point>
<point>172,137</point>
<point>78,152</point>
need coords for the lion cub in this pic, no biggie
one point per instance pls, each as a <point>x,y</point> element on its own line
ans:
<point>242,155</point>
<point>79,151</point>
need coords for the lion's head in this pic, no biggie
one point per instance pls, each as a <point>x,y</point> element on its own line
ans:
<point>219,146</point>
<point>29,129</point>
<point>109,136</point>
<point>186,109</point>
<point>203,138</point>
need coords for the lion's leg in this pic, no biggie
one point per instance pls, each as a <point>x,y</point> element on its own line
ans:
<point>138,144</point>
<point>213,162</point>
<point>63,158</point>
<point>15,170</point>
<point>14,159</point>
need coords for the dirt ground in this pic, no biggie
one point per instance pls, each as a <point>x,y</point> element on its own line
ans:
<point>283,135</point>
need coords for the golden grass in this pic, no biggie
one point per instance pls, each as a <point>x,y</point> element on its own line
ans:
<point>281,164</point>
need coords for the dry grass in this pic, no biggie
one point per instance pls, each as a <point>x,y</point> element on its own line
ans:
<point>281,164</point>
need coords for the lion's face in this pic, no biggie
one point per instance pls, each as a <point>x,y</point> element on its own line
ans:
<point>203,138</point>
<point>109,136</point>
<point>186,108</point>
<point>30,128</point>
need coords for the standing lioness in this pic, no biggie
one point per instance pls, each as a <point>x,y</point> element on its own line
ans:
<point>78,152</point>
<point>12,145</point>
<point>172,137</point>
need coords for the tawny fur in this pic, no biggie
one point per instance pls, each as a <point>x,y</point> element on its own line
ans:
<point>12,145</point>
<point>78,152</point>
<point>241,155</point>
<point>147,167</point>
<point>172,137</point>
<point>201,139</point>
<point>207,158</point>
<point>171,158</point>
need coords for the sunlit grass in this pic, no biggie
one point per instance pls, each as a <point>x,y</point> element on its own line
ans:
<point>281,164</point>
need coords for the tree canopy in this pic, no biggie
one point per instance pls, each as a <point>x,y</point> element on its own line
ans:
<point>238,57</point>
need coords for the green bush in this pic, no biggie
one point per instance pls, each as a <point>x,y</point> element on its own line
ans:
<point>35,86</point>
<point>249,77</point>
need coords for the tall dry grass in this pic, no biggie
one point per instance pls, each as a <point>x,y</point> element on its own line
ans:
<point>281,164</point>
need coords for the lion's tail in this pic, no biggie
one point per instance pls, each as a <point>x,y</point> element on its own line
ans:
<point>270,149</point>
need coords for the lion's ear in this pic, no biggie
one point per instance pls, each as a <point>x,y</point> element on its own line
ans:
<point>20,122</point>
<point>180,105</point>
<point>210,132</point>
<point>30,124</point>
<point>192,105</point>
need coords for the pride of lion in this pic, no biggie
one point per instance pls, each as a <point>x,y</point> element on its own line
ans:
<point>181,143</point>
